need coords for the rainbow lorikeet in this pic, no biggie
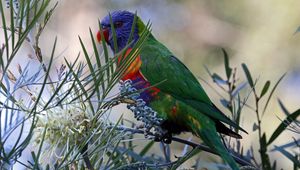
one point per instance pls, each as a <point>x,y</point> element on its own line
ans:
<point>178,97</point>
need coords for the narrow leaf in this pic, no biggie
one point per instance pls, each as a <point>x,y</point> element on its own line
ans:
<point>225,103</point>
<point>97,56</point>
<point>238,89</point>
<point>146,148</point>
<point>248,75</point>
<point>12,25</point>
<point>4,30</point>
<point>289,156</point>
<point>265,89</point>
<point>272,91</point>
<point>283,108</point>
<point>288,120</point>
<point>218,79</point>
<point>226,62</point>
<point>113,33</point>
<point>292,144</point>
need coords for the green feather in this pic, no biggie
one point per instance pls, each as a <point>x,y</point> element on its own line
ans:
<point>159,66</point>
<point>190,118</point>
<point>178,85</point>
<point>209,135</point>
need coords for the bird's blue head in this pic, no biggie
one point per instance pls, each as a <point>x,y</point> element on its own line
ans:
<point>122,22</point>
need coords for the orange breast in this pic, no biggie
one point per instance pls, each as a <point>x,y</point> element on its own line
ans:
<point>134,67</point>
<point>139,81</point>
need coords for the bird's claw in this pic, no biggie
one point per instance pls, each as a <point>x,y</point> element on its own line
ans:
<point>157,138</point>
<point>166,138</point>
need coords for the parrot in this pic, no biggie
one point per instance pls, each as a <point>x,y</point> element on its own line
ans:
<point>171,88</point>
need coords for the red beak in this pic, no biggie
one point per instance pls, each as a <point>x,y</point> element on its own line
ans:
<point>105,34</point>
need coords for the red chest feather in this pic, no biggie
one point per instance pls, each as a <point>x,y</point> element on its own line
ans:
<point>140,82</point>
<point>133,69</point>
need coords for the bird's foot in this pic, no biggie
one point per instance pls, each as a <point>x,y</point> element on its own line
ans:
<point>165,137</point>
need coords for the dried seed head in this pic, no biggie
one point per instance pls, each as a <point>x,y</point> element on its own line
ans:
<point>141,111</point>
<point>38,53</point>
<point>19,68</point>
<point>11,76</point>
<point>61,71</point>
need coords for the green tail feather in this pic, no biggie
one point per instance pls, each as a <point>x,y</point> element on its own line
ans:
<point>205,129</point>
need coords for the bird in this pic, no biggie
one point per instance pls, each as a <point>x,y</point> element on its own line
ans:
<point>171,88</point>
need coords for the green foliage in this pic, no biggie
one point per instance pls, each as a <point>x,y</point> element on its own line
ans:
<point>228,70</point>
<point>21,24</point>
<point>292,117</point>
<point>67,117</point>
<point>265,89</point>
<point>235,105</point>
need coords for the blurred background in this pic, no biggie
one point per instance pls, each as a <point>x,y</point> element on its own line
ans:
<point>258,33</point>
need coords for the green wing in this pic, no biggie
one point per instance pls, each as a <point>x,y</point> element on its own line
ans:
<point>159,66</point>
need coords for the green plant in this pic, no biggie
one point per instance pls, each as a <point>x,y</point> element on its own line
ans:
<point>67,117</point>
<point>235,104</point>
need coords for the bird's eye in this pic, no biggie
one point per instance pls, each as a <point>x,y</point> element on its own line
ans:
<point>118,24</point>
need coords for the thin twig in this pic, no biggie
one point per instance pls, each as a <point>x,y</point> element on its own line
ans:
<point>238,158</point>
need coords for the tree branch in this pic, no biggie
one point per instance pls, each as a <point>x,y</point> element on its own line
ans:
<point>238,158</point>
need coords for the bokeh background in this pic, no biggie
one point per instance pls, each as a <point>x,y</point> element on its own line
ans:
<point>258,33</point>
